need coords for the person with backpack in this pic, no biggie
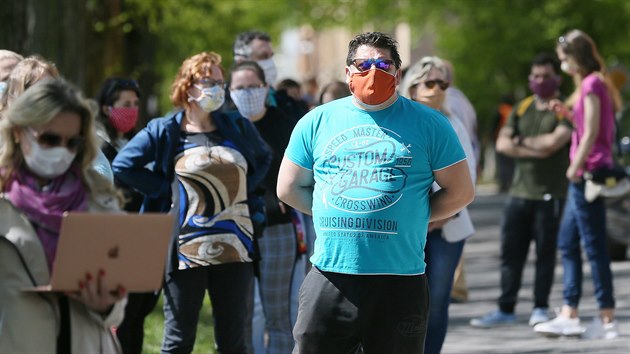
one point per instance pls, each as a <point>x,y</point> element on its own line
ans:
<point>537,139</point>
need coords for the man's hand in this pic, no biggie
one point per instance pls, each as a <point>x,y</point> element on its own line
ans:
<point>438,224</point>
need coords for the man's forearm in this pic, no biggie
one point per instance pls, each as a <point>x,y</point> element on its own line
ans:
<point>445,204</point>
<point>300,198</point>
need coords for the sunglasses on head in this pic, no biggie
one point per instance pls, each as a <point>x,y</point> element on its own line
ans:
<point>431,83</point>
<point>366,64</point>
<point>562,41</point>
<point>55,140</point>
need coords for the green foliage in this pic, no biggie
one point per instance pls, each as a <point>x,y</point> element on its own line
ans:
<point>489,42</point>
<point>154,328</point>
<point>185,28</point>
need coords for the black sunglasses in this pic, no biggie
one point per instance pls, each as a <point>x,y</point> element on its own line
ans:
<point>431,83</point>
<point>55,140</point>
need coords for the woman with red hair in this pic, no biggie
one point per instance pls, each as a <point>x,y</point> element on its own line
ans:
<point>203,165</point>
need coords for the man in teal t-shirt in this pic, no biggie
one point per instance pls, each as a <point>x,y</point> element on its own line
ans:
<point>363,167</point>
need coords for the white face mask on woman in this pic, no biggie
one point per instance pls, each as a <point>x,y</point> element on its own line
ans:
<point>211,98</point>
<point>250,102</point>
<point>48,162</point>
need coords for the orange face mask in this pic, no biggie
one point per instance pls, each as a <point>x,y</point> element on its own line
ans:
<point>372,86</point>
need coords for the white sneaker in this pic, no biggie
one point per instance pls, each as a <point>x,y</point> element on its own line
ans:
<point>599,330</point>
<point>560,326</point>
<point>539,315</point>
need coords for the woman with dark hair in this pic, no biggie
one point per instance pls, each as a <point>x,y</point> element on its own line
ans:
<point>203,165</point>
<point>282,246</point>
<point>591,107</point>
<point>118,101</point>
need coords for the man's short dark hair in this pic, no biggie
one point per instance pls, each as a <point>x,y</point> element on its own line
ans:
<point>377,40</point>
<point>242,45</point>
<point>547,58</point>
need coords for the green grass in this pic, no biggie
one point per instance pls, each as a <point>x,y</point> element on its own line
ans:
<point>154,329</point>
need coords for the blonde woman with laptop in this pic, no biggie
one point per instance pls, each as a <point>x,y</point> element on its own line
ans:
<point>46,170</point>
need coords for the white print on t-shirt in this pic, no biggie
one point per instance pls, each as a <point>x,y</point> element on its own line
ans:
<point>364,166</point>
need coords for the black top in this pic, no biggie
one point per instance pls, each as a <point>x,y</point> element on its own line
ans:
<point>275,128</point>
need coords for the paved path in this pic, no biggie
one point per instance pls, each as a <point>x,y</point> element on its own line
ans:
<point>482,271</point>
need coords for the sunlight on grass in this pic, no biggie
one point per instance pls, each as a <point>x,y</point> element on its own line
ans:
<point>154,328</point>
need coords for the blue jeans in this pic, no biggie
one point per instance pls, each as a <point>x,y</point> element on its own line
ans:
<point>441,258</point>
<point>585,222</point>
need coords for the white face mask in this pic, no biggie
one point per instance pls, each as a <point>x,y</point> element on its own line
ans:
<point>567,68</point>
<point>211,98</point>
<point>271,72</point>
<point>48,163</point>
<point>250,101</point>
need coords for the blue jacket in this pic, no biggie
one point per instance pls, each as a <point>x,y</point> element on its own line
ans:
<point>146,163</point>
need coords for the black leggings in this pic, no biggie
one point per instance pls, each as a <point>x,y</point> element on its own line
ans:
<point>130,333</point>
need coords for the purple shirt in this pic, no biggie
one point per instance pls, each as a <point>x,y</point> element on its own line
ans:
<point>601,154</point>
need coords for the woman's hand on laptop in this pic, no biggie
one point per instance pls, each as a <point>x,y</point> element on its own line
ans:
<point>95,294</point>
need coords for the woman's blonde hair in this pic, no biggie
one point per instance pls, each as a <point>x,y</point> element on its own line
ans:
<point>11,56</point>
<point>193,68</point>
<point>38,106</point>
<point>24,75</point>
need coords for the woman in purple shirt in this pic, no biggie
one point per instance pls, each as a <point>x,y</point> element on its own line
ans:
<point>591,108</point>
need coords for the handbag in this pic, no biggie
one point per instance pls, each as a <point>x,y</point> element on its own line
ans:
<point>608,176</point>
<point>609,182</point>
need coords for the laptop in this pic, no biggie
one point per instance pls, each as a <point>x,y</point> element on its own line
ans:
<point>130,248</point>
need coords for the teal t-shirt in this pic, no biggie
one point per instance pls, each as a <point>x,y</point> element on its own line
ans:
<point>373,172</point>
